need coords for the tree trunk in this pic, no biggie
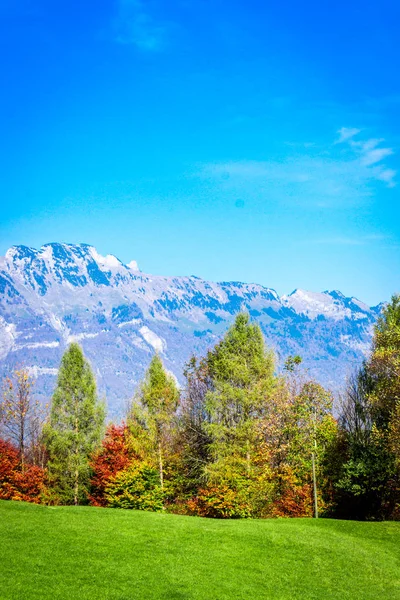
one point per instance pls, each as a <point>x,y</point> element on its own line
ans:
<point>248,457</point>
<point>76,483</point>
<point>160,464</point>
<point>314,487</point>
<point>22,443</point>
<point>76,487</point>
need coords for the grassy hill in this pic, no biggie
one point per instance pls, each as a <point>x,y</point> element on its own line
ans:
<point>89,553</point>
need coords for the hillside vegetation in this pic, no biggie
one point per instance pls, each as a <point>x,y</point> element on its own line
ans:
<point>240,440</point>
<point>94,553</point>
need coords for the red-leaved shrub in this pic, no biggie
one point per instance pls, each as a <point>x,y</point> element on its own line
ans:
<point>18,482</point>
<point>114,455</point>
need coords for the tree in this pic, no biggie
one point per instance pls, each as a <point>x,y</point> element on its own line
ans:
<point>368,482</point>
<point>241,383</point>
<point>355,416</point>
<point>21,416</point>
<point>114,455</point>
<point>154,409</point>
<point>384,369</point>
<point>194,439</point>
<point>17,483</point>
<point>75,427</point>
<point>242,374</point>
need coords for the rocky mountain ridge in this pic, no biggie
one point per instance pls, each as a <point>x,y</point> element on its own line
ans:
<point>65,292</point>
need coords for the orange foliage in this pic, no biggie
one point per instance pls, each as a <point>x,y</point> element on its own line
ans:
<point>219,503</point>
<point>115,454</point>
<point>17,483</point>
<point>295,498</point>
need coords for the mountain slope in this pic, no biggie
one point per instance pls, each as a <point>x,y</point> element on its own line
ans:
<point>64,292</point>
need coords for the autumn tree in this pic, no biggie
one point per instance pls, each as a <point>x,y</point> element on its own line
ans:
<point>297,430</point>
<point>17,482</point>
<point>115,454</point>
<point>75,427</point>
<point>21,415</point>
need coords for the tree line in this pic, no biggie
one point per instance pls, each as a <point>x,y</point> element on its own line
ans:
<point>240,439</point>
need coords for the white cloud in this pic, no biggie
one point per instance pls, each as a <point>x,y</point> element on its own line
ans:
<point>369,154</point>
<point>374,156</point>
<point>387,175</point>
<point>340,174</point>
<point>346,133</point>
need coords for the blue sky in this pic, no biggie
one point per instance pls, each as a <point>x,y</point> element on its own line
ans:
<point>253,141</point>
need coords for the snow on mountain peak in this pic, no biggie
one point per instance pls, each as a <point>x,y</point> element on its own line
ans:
<point>133,266</point>
<point>333,305</point>
<point>109,261</point>
<point>64,292</point>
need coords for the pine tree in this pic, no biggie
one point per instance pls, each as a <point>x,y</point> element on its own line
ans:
<point>242,374</point>
<point>154,409</point>
<point>75,427</point>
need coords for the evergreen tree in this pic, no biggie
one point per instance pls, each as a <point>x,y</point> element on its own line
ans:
<point>75,428</point>
<point>242,375</point>
<point>153,412</point>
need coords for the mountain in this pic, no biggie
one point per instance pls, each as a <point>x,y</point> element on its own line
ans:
<point>64,292</point>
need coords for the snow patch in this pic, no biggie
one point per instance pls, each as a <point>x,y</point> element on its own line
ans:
<point>35,371</point>
<point>358,345</point>
<point>76,337</point>
<point>152,339</point>
<point>133,266</point>
<point>58,325</point>
<point>37,345</point>
<point>126,323</point>
<point>314,304</point>
<point>7,337</point>
<point>110,261</point>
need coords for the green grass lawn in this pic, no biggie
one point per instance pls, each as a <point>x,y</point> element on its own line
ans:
<point>82,553</point>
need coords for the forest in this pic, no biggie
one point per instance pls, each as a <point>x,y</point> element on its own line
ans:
<point>240,439</point>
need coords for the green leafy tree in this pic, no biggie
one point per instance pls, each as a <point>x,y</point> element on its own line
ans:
<point>368,483</point>
<point>298,429</point>
<point>384,369</point>
<point>241,370</point>
<point>75,427</point>
<point>153,413</point>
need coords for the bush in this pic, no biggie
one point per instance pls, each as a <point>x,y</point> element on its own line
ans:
<point>114,455</point>
<point>16,482</point>
<point>220,502</point>
<point>136,487</point>
<point>295,498</point>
